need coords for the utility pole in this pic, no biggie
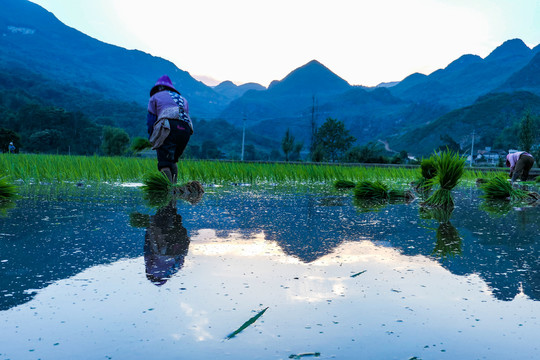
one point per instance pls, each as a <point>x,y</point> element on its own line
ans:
<point>472,150</point>
<point>243,136</point>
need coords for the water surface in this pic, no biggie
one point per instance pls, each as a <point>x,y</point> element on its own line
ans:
<point>94,275</point>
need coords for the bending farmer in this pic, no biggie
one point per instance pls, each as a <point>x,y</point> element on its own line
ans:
<point>519,163</point>
<point>169,125</point>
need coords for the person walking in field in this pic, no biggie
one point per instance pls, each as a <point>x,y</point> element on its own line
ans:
<point>11,148</point>
<point>519,163</point>
<point>169,125</point>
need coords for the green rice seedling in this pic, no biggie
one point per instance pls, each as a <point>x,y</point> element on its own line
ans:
<point>139,144</point>
<point>303,355</point>
<point>246,324</point>
<point>8,191</point>
<point>450,168</point>
<point>500,188</point>
<point>344,184</point>
<point>371,190</point>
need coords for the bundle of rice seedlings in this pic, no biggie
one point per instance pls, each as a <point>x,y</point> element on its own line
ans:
<point>428,171</point>
<point>371,190</point>
<point>450,168</point>
<point>139,144</point>
<point>344,184</point>
<point>428,168</point>
<point>156,183</point>
<point>500,188</point>
<point>8,191</point>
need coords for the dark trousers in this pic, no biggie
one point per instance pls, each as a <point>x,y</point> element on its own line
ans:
<point>174,145</point>
<point>523,165</point>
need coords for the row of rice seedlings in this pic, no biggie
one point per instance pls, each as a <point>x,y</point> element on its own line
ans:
<point>62,168</point>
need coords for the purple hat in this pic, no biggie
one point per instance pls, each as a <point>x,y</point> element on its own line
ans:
<point>163,81</point>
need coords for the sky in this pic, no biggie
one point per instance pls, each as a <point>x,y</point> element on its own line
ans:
<point>366,42</point>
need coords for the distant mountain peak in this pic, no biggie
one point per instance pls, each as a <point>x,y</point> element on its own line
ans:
<point>311,77</point>
<point>510,48</point>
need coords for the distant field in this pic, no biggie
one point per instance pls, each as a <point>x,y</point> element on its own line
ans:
<point>61,168</point>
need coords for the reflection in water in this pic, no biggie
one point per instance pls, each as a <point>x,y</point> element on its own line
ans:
<point>5,206</point>
<point>166,244</point>
<point>68,237</point>
<point>448,239</point>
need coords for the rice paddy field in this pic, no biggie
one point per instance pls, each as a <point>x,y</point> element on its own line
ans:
<point>273,261</point>
<point>60,168</point>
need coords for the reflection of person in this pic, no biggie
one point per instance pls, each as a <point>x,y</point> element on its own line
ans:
<point>166,244</point>
<point>11,148</point>
<point>169,125</point>
<point>519,163</point>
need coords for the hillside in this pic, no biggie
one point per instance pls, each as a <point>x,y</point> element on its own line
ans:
<point>528,78</point>
<point>71,57</point>
<point>467,78</point>
<point>232,91</point>
<point>289,97</point>
<point>488,117</point>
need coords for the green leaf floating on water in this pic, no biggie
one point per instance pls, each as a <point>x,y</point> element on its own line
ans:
<point>246,324</point>
<point>360,273</point>
<point>299,356</point>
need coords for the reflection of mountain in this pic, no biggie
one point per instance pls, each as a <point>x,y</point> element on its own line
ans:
<point>68,237</point>
<point>503,251</point>
<point>41,242</point>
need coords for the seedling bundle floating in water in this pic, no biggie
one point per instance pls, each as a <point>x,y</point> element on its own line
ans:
<point>499,188</point>
<point>8,191</point>
<point>344,184</point>
<point>376,190</point>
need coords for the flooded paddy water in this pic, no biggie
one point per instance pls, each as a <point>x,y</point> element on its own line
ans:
<point>89,274</point>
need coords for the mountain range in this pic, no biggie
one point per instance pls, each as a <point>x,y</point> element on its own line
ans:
<point>33,39</point>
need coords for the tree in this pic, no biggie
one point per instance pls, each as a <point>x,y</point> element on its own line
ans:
<point>287,144</point>
<point>48,140</point>
<point>334,138</point>
<point>250,153</point>
<point>115,141</point>
<point>449,144</point>
<point>369,153</point>
<point>209,150</point>
<point>527,132</point>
